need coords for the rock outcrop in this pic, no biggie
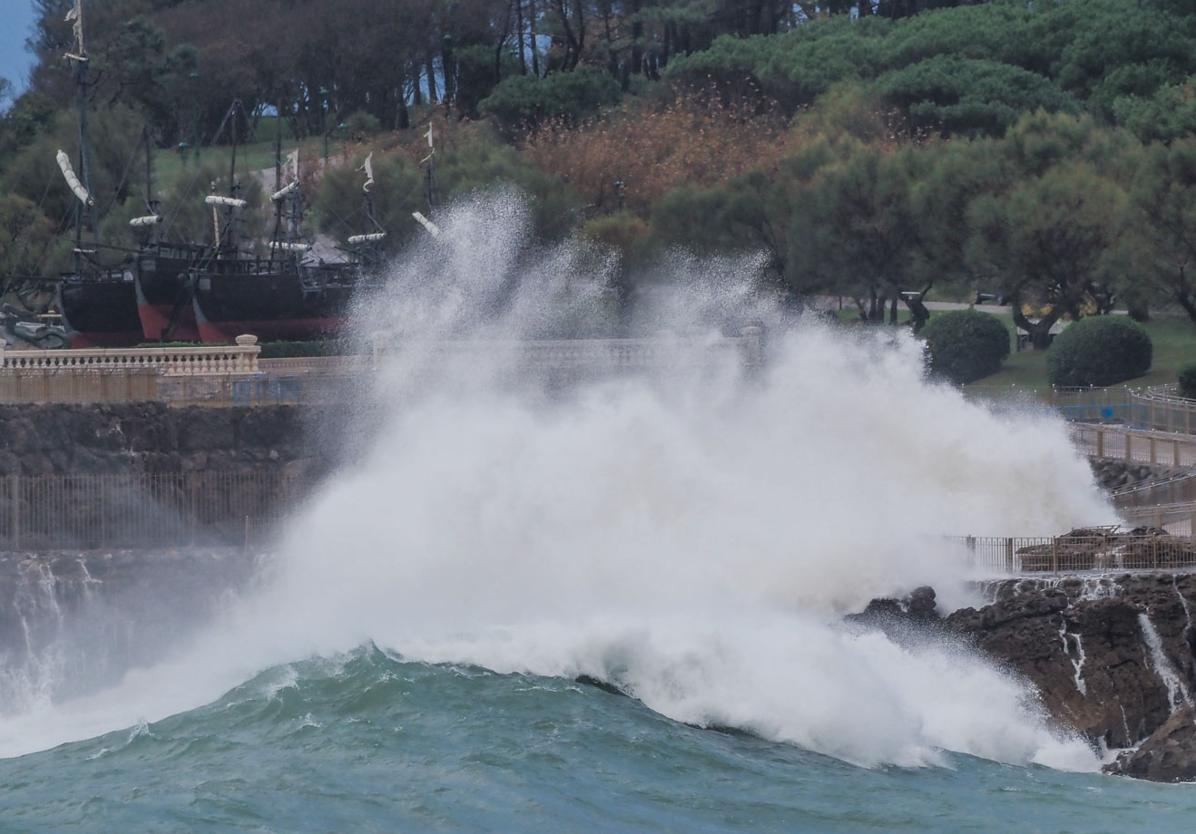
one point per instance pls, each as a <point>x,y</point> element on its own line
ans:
<point>1112,657</point>
<point>1169,755</point>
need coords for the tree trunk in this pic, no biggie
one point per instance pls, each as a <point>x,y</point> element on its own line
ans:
<point>1040,331</point>
<point>893,310</point>
<point>431,69</point>
<point>519,38</point>
<point>531,13</point>
<point>919,315</point>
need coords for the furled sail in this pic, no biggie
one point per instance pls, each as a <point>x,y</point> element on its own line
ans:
<point>432,228</point>
<point>75,15</point>
<point>368,167</point>
<point>68,173</point>
<point>284,191</point>
<point>370,238</point>
<point>230,202</point>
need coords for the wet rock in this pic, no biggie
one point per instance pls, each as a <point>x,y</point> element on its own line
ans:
<point>1111,656</point>
<point>1169,755</point>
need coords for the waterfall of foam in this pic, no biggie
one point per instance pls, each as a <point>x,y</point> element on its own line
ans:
<point>1177,692</point>
<point>1076,656</point>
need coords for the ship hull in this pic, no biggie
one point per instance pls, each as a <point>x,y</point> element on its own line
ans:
<point>100,311</point>
<point>164,298</point>
<point>292,304</point>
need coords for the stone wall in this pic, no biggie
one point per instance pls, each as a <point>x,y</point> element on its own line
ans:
<point>152,438</point>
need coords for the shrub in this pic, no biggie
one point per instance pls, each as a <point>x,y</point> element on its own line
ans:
<point>321,347</point>
<point>361,124</point>
<point>965,345</point>
<point>1099,350</point>
<point>1187,381</point>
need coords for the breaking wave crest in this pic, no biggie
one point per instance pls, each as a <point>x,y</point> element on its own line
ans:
<point>690,533</point>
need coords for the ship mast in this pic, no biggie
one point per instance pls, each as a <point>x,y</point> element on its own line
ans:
<point>80,184</point>
<point>286,201</point>
<point>430,172</point>
<point>152,205</point>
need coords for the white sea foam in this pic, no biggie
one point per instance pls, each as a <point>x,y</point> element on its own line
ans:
<point>693,535</point>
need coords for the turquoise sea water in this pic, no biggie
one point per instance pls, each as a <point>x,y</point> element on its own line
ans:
<point>368,742</point>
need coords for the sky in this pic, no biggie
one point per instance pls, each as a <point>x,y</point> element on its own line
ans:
<point>16,17</point>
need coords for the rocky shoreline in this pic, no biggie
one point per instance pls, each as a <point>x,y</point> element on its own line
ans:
<point>1113,657</point>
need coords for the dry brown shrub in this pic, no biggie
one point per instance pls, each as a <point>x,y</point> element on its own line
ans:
<point>653,148</point>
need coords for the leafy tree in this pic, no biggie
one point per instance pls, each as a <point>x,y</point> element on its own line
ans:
<point>965,96</point>
<point>523,101</point>
<point>25,237</point>
<point>1047,241</point>
<point>1166,115</point>
<point>1164,237</point>
<point>854,229</point>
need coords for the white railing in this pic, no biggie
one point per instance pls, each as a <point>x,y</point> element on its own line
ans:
<point>592,354</point>
<point>208,360</point>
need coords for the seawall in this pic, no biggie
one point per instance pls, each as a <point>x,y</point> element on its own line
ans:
<point>152,438</point>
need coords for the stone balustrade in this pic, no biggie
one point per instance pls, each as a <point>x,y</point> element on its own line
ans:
<point>206,360</point>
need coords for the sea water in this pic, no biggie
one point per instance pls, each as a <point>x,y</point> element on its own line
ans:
<point>689,536</point>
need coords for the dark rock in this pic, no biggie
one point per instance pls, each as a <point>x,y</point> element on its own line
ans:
<point>1169,755</point>
<point>1083,643</point>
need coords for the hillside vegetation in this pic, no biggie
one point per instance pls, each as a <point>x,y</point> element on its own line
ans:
<point>1044,153</point>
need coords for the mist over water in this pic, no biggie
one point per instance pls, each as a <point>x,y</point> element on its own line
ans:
<point>692,534</point>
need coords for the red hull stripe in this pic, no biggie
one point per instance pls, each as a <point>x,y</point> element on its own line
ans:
<point>155,318</point>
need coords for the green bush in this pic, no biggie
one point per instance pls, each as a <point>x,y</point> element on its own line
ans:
<point>1187,381</point>
<point>361,124</point>
<point>324,347</point>
<point>1099,350</point>
<point>965,345</point>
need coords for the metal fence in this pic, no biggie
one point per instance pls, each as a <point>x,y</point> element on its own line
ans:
<point>1151,409</point>
<point>1178,519</point>
<point>142,510</point>
<point>1119,442</point>
<point>1069,554</point>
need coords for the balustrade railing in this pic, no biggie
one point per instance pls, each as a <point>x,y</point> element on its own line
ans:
<point>206,360</point>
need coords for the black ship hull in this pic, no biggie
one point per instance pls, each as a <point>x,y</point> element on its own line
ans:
<point>100,309</point>
<point>272,301</point>
<point>164,294</point>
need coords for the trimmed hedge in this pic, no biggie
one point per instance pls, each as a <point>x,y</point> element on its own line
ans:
<point>1099,350</point>
<point>322,347</point>
<point>1187,381</point>
<point>965,345</point>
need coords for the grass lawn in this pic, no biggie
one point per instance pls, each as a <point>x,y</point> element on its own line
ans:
<point>171,167</point>
<point>1174,346</point>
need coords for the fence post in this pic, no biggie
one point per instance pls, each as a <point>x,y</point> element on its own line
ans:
<point>1009,554</point>
<point>14,492</point>
<point>1128,450</point>
<point>1100,443</point>
<point>1152,450</point>
<point>1192,526</point>
<point>1175,453</point>
<point>1055,554</point>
